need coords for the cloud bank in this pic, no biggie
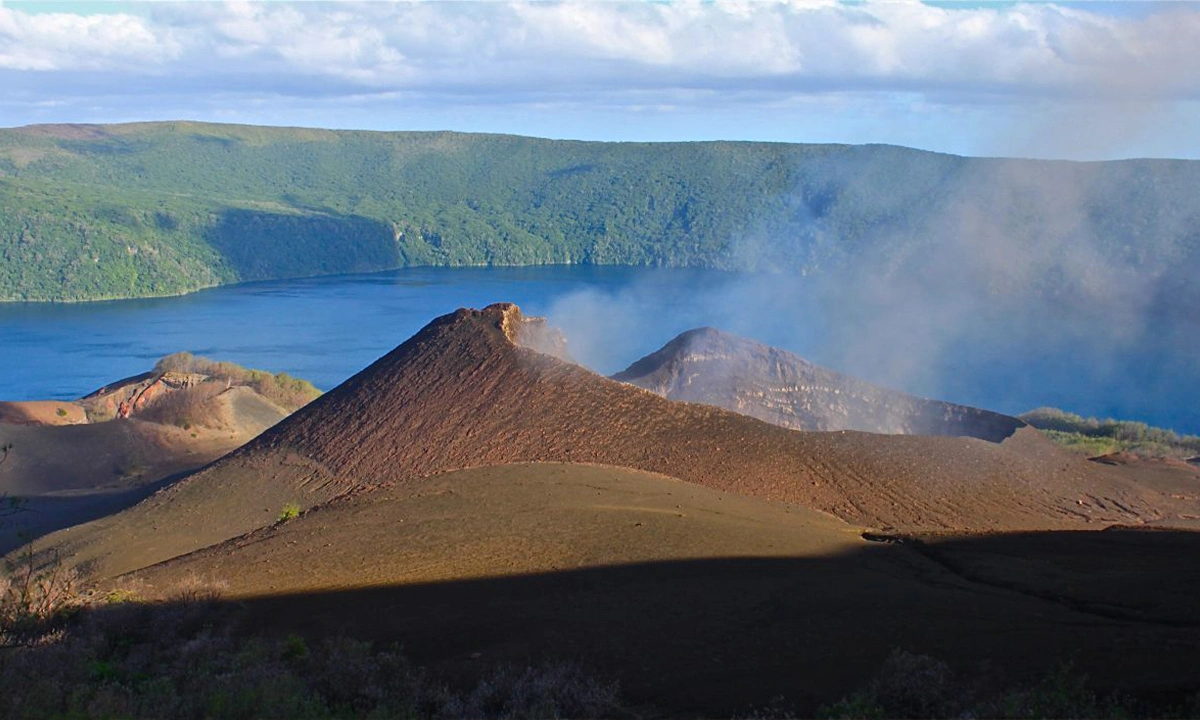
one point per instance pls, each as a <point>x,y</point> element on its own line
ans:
<point>640,59</point>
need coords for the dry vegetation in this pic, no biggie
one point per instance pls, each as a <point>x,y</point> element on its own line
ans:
<point>36,589</point>
<point>911,685</point>
<point>189,406</point>
<point>37,593</point>
<point>186,659</point>
<point>282,389</point>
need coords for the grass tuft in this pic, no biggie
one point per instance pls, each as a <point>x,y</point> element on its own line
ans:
<point>290,511</point>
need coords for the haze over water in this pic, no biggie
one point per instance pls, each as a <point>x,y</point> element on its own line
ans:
<point>327,329</point>
<point>321,329</point>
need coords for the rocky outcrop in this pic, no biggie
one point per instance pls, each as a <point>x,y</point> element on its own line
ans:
<point>715,368</point>
<point>128,397</point>
<point>533,333</point>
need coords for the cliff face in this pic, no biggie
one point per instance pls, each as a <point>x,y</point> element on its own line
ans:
<point>715,368</point>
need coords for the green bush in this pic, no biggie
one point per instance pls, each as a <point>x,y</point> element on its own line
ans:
<point>1092,437</point>
<point>289,512</point>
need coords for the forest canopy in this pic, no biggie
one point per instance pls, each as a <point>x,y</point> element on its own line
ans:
<point>118,211</point>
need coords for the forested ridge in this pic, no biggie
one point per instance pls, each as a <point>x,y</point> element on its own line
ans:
<point>95,212</point>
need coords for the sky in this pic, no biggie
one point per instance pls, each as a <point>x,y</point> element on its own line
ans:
<point>1084,81</point>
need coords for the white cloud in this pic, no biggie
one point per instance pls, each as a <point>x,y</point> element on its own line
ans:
<point>66,42</point>
<point>728,53</point>
<point>393,46</point>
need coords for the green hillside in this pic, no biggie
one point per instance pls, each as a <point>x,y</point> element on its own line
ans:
<point>91,212</point>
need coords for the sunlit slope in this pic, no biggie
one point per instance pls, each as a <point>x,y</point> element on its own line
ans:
<point>94,211</point>
<point>84,457</point>
<point>696,600</point>
<point>503,521</point>
<point>465,393</point>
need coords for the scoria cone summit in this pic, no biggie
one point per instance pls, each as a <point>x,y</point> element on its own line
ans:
<point>465,392</point>
<point>716,368</point>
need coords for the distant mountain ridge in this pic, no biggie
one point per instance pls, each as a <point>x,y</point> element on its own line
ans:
<point>113,211</point>
<point>709,366</point>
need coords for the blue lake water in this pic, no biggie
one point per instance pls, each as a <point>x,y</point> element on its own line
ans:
<point>326,329</point>
<point>322,329</point>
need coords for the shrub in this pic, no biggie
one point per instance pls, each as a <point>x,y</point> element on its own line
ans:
<point>282,389</point>
<point>778,708</point>
<point>545,691</point>
<point>908,685</point>
<point>1099,437</point>
<point>185,659</point>
<point>187,407</point>
<point>36,593</point>
<point>918,686</point>
<point>286,391</point>
<point>194,590</point>
<point>1063,693</point>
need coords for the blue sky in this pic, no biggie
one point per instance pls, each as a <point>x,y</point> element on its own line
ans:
<point>1079,80</point>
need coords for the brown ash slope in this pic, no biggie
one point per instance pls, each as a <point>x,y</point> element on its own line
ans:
<point>73,461</point>
<point>701,603</point>
<point>464,393</point>
<point>83,446</point>
<point>716,368</point>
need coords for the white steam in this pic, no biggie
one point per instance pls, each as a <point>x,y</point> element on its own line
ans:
<point>1014,292</point>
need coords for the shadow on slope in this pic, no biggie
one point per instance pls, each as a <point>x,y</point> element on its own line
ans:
<point>714,636</point>
<point>699,601</point>
<point>263,245</point>
<point>1120,572</point>
<point>45,514</point>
